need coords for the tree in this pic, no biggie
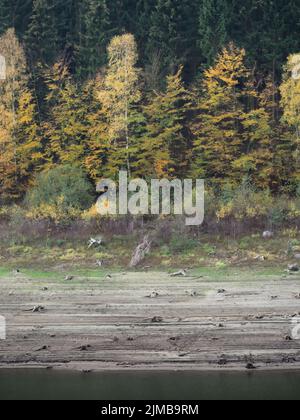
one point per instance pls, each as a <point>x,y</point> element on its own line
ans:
<point>268,30</point>
<point>10,91</point>
<point>119,96</point>
<point>66,126</point>
<point>29,155</point>
<point>290,102</point>
<point>166,148</point>
<point>42,33</point>
<point>213,28</point>
<point>95,28</point>
<point>173,33</point>
<point>64,187</point>
<point>232,132</point>
<point>97,142</point>
<point>15,14</point>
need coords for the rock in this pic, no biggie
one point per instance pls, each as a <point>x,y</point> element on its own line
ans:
<point>297,256</point>
<point>69,278</point>
<point>267,234</point>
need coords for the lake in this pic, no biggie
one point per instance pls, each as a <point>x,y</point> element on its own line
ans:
<point>61,385</point>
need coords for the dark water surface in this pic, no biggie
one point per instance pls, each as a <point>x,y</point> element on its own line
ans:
<point>53,385</point>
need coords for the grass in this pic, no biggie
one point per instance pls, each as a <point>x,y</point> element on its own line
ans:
<point>44,258</point>
<point>243,275</point>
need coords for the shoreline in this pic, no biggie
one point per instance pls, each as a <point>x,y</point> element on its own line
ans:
<point>151,322</point>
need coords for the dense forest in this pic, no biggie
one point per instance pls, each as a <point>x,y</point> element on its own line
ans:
<point>163,88</point>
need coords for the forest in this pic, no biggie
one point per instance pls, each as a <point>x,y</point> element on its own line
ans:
<point>162,88</point>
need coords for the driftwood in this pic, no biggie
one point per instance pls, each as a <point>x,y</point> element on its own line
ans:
<point>181,273</point>
<point>140,252</point>
<point>98,241</point>
<point>35,309</point>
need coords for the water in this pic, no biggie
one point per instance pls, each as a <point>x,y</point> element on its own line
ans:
<point>53,385</point>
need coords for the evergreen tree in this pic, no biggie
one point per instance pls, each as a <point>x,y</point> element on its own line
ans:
<point>15,14</point>
<point>29,154</point>
<point>95,32</point>
<point>173,33</point>
<point>213,28</point>
<point>166,148</point>
<point>232,132</point>
<point>290,101</point>
<point>66,127</point>
<point>97,143</point>
<point>42,35</point>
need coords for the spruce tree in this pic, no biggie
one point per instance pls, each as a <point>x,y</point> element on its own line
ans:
<point>232,132</point>
<point>173,33</point>
<point>94,37</point>
<point>213,28</point>
<point>66,127</point>
<point>166,148</point>
<point>42,34</point>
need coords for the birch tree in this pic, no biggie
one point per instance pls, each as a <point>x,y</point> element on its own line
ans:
<point>119,96</point>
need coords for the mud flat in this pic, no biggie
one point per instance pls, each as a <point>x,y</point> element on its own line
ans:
<point>142,321</point>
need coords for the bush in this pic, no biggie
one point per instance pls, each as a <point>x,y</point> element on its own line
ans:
<point>60,192</point>
<point>245,203</point>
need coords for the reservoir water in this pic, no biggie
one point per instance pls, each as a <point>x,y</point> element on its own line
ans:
<point>61,385</point>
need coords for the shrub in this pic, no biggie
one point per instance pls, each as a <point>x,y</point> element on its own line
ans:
<point>61,192</point>
<point>245,203</point>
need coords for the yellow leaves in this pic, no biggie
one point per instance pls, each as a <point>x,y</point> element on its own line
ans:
<point>246,204</point>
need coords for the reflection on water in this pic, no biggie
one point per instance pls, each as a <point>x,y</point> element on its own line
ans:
<point>41,384</point>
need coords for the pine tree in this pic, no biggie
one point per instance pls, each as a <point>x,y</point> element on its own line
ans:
<point>268,30</point>
<point>42,35</point>
<point>95,28</point>
<point>6,15</point>
<point>173,33</point>
<point>166,148</point>
<point>15,14</point>
<point>213,28</point>
<point>120,96</point>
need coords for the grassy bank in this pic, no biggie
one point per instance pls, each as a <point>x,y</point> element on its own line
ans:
<point>187,251</point>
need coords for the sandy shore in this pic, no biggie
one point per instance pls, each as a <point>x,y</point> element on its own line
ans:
<point>144,321</point>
